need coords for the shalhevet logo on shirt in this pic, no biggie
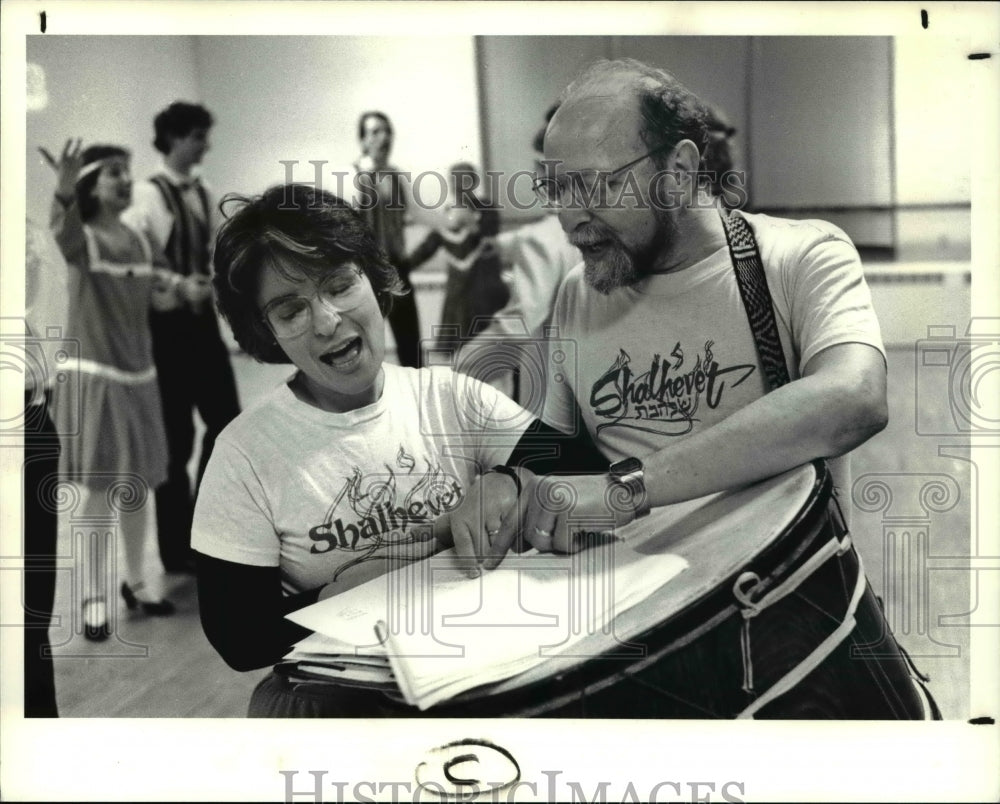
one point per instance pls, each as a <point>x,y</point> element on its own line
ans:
<point>378,518</point>
<point>665,399</point>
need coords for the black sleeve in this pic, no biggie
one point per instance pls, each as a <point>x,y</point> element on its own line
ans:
<point>544,450</point>
<point>424,251</point>
<point>243,612</point>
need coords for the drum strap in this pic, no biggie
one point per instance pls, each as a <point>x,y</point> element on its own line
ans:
<point>757,303</point>
<point>819,653</point>
<point>756,296</point>
<point>745,584</point>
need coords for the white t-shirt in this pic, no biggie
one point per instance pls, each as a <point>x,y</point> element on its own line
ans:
<point>539,256</point>
<point>674,354</point>
<point>150,214</point>
<point>330,496</point>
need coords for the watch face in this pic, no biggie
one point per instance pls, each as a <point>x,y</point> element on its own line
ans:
<point>627,466</point>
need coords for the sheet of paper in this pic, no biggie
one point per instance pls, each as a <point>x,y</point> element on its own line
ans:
<point>317,644</point>
<point>518,618</point>
<point>446,632</point>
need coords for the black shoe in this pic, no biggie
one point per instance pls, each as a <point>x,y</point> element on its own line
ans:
<point>159,608</point>
<point>95,619</point>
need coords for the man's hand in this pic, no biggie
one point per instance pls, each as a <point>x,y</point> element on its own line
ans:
<point>559,511</point>
<point>485,525</point>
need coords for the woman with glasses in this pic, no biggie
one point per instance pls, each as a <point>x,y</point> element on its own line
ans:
<point>352,465</point>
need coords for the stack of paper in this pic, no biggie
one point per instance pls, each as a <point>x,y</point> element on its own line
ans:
<point>441,633</point>
<point>320,658</point>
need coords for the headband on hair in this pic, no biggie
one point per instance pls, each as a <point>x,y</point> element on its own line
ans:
<point>96,165</point>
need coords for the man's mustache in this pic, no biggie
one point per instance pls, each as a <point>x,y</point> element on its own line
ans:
<point>582,238</point>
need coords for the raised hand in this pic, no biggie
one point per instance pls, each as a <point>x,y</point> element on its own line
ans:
<point>67,167</point>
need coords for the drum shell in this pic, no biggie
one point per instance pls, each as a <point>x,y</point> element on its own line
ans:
<point>693,664</point>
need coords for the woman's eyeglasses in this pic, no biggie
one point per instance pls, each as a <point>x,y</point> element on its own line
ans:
<point>341,292</point>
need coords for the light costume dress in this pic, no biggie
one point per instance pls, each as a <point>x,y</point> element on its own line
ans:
<point>107,405</point>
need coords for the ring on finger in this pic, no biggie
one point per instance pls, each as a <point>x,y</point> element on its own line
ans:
<point>543,533</point>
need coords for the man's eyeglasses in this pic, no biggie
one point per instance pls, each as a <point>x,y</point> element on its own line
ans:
<point>341,291</point>
<point>588,185</point>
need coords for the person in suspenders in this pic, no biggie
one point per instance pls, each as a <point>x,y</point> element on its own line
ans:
<point>175,210</point>
<point>698,349</point>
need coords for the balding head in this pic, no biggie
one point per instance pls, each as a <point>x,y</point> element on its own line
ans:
<point>622,161</point>
<point>661,110</point>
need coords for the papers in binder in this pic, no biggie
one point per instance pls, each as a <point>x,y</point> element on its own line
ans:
<point>445,633</point>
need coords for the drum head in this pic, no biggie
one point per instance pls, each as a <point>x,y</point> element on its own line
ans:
<point>718,535</point>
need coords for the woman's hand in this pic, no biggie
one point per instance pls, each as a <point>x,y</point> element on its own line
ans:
<point>486,523</point>
<point>165,296</point>
<point>195,289</point>
<point>551,503</point>
<point>67,167</point>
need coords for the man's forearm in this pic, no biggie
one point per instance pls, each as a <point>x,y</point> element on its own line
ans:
<point>818,416</point>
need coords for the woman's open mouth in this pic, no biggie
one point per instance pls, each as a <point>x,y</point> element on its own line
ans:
<point>344,355</point>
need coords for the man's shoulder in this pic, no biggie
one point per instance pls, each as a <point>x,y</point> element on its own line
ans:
<point>793,232</point>
<point>145,192</point>
<point>786,243</point>
<point>574,285</point>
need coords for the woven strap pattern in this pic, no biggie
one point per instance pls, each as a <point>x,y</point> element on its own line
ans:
<point>756,297</point>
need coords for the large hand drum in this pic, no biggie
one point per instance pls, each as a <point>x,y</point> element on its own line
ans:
<point>773,618</point>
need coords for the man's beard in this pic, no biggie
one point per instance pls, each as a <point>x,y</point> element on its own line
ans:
<point>620,266</point>
<point>615,269</point>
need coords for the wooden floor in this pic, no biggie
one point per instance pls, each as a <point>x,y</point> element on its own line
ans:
<point>164,667</point>
<point>153,666</point>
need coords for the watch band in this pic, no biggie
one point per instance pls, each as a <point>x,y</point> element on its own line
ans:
<point>511,473</point>
<point>631,474</point>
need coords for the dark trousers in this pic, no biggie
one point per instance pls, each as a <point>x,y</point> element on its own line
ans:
<point>41,467</point>
<point>195,374</point>
<point>405,326</point>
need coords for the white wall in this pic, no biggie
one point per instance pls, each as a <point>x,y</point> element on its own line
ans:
<point>281,98</point>
<point>299,98</point>
<point>273,98</point>
<point>103,89</point>
<point>931,97</point>
<point>821,121</point>
<point>934,146</point>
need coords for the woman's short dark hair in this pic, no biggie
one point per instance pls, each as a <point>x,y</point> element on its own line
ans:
<point>178,120</point>
<point>89,206</point>
<point>379,115</point>
<point>297,228</point>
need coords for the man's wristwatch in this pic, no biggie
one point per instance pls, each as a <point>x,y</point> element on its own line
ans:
<point>630,473</point>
